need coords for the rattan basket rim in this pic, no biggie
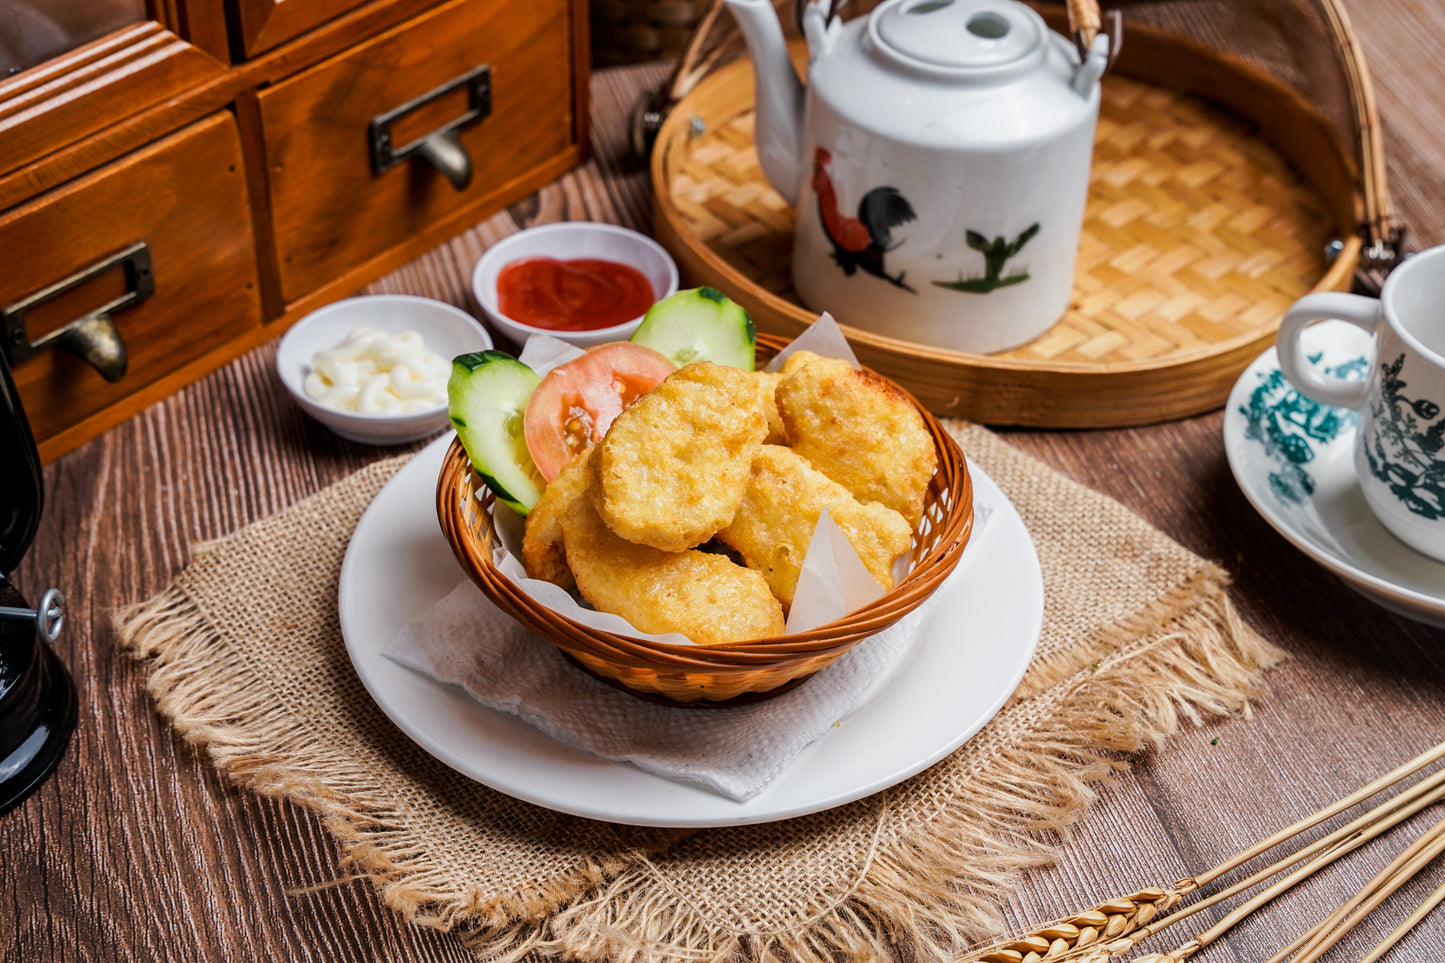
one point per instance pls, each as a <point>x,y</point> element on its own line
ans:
<point>676,131</point>
<point>1186,379</point>
<point>952,480</point>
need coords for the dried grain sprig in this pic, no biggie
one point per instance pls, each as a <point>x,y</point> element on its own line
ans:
<point>1421,911</point>
<point>1112,928</point>
<point>1244,910</point>
<point>1386,781</point>
<point>1401,870</point>
<point>1069,935</point>
<point>1319,854</point>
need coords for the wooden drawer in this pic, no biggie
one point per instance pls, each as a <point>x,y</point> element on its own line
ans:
<point>184,199</point>
<point>332,211</point>
<point>262,24</point>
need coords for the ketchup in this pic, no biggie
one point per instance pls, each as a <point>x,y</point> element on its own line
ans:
<point>577,295</point>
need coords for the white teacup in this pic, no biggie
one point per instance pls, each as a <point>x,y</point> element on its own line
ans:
<point>1400,444</point>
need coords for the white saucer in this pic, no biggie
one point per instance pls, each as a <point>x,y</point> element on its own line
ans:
<point>1315,501</point>
<point>962,668</point>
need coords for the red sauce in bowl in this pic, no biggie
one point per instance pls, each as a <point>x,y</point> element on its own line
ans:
<point>577,295</point>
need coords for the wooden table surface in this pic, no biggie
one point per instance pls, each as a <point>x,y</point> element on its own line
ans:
<point>137,850</point>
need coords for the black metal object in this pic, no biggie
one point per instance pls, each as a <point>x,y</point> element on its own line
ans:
<point>37,696</point>
<point>441,148</point>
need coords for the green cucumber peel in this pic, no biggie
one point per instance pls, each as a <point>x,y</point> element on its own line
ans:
<point>487,396</point>
<point>700,324</point>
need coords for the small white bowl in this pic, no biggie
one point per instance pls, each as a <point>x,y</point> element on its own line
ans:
<point>446,330</point>
<point>565,241</point>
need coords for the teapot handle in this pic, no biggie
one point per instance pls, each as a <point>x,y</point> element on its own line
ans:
<point>832,8</point>
<point>1085,21</point>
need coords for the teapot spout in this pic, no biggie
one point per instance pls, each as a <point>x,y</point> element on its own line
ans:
<point>780,96</point>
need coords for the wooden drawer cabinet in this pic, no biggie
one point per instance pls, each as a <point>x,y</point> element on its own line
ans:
<point>263,24</point>
<point>332,208</point>
<point>230,142</point>
<point>181,204</point>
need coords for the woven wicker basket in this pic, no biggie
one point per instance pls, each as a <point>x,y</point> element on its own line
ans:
<point>698,675</point>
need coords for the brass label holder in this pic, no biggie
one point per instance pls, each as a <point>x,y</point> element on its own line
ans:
<point>441,148</point>
<point>92,337</point>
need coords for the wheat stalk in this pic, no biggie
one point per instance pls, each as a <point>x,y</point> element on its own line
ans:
<point>1315,857</point>
<point>1421,911</point>
<point>1323,935</point>
<point>1072,934</point>
<point>1115,927</point>
<point>1401,870</point>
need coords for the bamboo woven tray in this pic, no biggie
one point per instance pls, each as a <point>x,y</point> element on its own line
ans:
<point>1199,233</point>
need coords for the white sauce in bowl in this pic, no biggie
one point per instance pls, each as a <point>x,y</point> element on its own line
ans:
<point>375,373</point>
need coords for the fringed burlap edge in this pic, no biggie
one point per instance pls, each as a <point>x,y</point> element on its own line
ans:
<point>938,886</point>
<point>214,701</point>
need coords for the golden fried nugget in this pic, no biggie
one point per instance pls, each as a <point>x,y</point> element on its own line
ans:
<point>797,359</point>
<point>860,431</point>
<point>780,509</point>
<point>708,598</point>
<point>767,385</point>
<point>672,468</point>
<point>542,551</point>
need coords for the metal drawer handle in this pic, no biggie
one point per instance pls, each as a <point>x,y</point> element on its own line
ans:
<point>441,148</point>
<point>93,337</point>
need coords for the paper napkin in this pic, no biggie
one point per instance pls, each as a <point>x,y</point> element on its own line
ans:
<point>737,751</point>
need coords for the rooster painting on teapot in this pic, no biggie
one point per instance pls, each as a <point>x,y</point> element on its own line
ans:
<point>938,163</point>
<point>860,242</point>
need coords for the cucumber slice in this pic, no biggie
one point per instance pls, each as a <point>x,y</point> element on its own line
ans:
<point>700,324</point>
<point>486,397</point>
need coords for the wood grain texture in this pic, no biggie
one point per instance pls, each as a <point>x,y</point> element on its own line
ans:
<point>68,99</point>
<point>207,94</point>
<point>185,198</point>
<point>135,849</point>
<point>265,23</point>
<point>443,39</point>
<point>200,22</point>
<point>331,210</point>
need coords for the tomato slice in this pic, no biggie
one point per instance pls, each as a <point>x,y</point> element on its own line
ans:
<point>576,402</point>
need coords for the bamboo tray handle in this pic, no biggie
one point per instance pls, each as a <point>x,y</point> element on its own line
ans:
<point>713,43</point>
<point>1384,236</point>
<point>1085,22</point>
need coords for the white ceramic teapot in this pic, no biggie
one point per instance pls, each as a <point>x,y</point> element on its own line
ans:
<point>938,162</point>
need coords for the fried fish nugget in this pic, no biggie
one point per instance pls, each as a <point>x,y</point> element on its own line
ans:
<point>780,509</point>
<point>708,598</point>
<point>767,384</point>
<point>860,431</point>
<point>542,553</point>
<point>672,468</point>
<point>797,359</point>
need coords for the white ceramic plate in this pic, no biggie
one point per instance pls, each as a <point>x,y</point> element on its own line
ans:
<point>1294,460</point>
<point>965,663</point>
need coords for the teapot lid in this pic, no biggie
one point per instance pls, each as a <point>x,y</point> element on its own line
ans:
<point>959,35</point>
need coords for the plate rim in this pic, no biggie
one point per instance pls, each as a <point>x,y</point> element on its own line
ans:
<point>365,656</point>
<point>1345,568</point>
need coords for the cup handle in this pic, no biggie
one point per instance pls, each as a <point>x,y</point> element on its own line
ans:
<point>1363,313</point>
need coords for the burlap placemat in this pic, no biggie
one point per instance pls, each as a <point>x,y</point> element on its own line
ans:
<point>1137,630</point>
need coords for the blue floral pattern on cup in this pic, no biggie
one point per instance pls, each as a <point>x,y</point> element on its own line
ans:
<point>1292,427</point>
<point>1402,452</point>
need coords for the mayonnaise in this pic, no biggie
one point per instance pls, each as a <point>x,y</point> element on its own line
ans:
<point>375,373</point>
